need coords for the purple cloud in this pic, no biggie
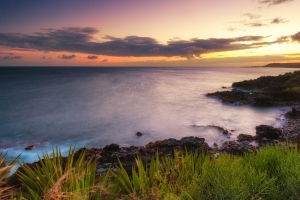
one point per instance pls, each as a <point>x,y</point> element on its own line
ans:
<point>12,57</point>
<point>67,56</point>
<point>92,57</point>
<point>80,40</point>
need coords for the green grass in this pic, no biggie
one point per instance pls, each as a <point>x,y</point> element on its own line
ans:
<point>54,178</point>
<point>4,170</point>
<point>167,177</point>
<point>271,173</point>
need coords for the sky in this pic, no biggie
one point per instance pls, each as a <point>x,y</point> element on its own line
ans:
<point>149,33</point>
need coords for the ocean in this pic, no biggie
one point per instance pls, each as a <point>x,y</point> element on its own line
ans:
<point>92,107</point>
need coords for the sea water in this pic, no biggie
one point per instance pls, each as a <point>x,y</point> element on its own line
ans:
<point>92,107</point>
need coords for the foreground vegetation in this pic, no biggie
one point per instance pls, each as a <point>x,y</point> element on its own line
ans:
<point>271,173</point>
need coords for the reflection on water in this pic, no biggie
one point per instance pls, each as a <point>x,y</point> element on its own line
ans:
<point>98,106</point>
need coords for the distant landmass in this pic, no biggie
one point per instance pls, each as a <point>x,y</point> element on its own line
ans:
<point>283,65</point>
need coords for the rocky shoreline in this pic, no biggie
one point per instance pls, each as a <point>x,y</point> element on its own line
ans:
<point>264,91</point>
<point>269,91</point>
<point>110,155</point>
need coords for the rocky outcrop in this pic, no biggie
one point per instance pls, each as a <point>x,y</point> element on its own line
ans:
<point>294,114</point>
<point>29,147</point>
<point>238,148</point>
<point>224,131</point>
<point>234,96</point>
<point>111,147</point>
<point>267,91</point>
<point>139,134</point>
<point>111,154</point>
<point>268,132</point>
<point>245,137</point>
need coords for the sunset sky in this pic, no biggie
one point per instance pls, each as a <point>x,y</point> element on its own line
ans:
<point>149,33</point>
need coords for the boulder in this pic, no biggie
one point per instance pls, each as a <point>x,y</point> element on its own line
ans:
<point>245,137</point>
<point>236,148</point>
<point>224,131</point>
<point>29,147</point>
<point>111,147</point>
<point>139,133</point>
<point>263,101</point>
<point>294,114</point>
<point>268,132</point>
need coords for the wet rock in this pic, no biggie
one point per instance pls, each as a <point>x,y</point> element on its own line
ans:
<point>89,152</point>
<point>139,134</point>
<point>29,147</point>
<point>224,131</point>
<point>236,148</point>
<point>297,139</point>
<point>263,101</point>
<point>111,147</point>
<point>268,132</point>
<point>127,155</point>
<point>245,137</point>
<point>269,91</point>
<point>294,114</point>
<point>234,96</point>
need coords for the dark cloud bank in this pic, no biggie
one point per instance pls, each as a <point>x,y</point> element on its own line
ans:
<point>92,57</point>
<point>81,40</point>
<point>12,57</point>
<point>67,56</point>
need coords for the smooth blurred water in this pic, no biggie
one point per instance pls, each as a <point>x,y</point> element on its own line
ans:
<point>93,107</point>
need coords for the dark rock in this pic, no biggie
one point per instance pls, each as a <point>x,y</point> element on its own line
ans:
<point>273,90</point>
<point>139,134</point>
<point>234,96</point>
<point>111,147</point>
<point>224,87</point>
<point>294,114</point>
<point>235,148</point>
<point>90,153</point>
<point>297,139</point>
<point>245,137</point>
<point>29,147</point>
<point>268,132</point>
<point>112,153</point>
<point>224,131</point>
<point>263,101</point>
